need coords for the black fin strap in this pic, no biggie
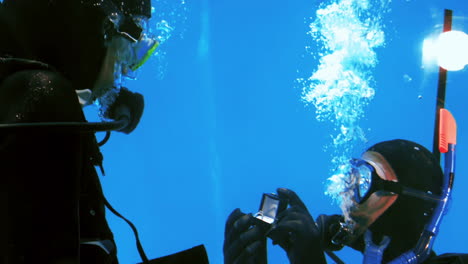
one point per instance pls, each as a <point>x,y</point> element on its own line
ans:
<point>95,156</point>
<point>334,257</point>
<point>392,186</point>
<point>106,138</point>
<point>135,231</point>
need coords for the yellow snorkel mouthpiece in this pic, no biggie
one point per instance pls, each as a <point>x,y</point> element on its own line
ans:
<point>143,51</point>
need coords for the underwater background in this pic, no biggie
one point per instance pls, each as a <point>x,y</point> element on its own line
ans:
<point>233,109</point>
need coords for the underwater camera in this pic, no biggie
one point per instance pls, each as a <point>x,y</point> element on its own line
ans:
<point>270,206</point>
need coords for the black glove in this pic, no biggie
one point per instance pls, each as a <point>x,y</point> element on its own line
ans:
<point>127,105</point>
<point>295,231</point>
<point>244,241</point>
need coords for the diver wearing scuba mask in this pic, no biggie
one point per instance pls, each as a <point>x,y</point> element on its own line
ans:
<point>51,199</point>
<point>394,199</point>
<point>61,56</point>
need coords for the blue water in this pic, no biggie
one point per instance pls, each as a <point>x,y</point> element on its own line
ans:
<point>226,120</point>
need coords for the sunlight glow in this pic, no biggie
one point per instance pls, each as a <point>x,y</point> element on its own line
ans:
<point>452,50</point>
<point>429,53</point>
<point>449,50</point>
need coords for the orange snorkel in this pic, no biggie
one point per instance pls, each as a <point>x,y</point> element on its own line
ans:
<point>447,141</point>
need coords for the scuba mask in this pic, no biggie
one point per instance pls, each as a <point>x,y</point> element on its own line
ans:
<point>129,44</point>
<point>372,189</point>
<point>127,19</point>
<point>368,182</point>
<point>138,45</point>
<point>132,53</point>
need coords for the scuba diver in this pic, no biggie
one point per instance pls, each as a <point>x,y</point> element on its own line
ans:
<point>55,58</point>
<point>393,202</point>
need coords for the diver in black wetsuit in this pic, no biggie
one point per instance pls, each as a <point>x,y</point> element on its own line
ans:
<point>55,57</point>
<point>393,195</point>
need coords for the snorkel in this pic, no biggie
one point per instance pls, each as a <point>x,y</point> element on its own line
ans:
<point>444,142</point>
<point>436,204</point>
<point>447,142</point>
<point>445,136</point>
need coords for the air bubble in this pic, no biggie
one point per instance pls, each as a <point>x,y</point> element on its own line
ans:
<point>341,87</point>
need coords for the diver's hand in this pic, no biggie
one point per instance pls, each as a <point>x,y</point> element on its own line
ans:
<point>127,105</point>
<point>244,242</point>
<point>296,232</point>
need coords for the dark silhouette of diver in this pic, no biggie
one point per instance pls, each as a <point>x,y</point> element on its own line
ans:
<point>393,196</point>
<point>57,56</point>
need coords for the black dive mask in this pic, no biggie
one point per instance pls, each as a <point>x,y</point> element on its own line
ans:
<point>368,182</point>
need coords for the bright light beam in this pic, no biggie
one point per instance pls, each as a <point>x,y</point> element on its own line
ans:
<point>449,50</point>
<point>452,50</point>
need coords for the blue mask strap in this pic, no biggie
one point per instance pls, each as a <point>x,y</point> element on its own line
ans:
<point>373,253</point>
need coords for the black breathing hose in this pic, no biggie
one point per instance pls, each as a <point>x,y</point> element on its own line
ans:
<point>73,127</point>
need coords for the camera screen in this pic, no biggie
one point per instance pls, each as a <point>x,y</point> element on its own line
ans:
<point>268,208</point>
